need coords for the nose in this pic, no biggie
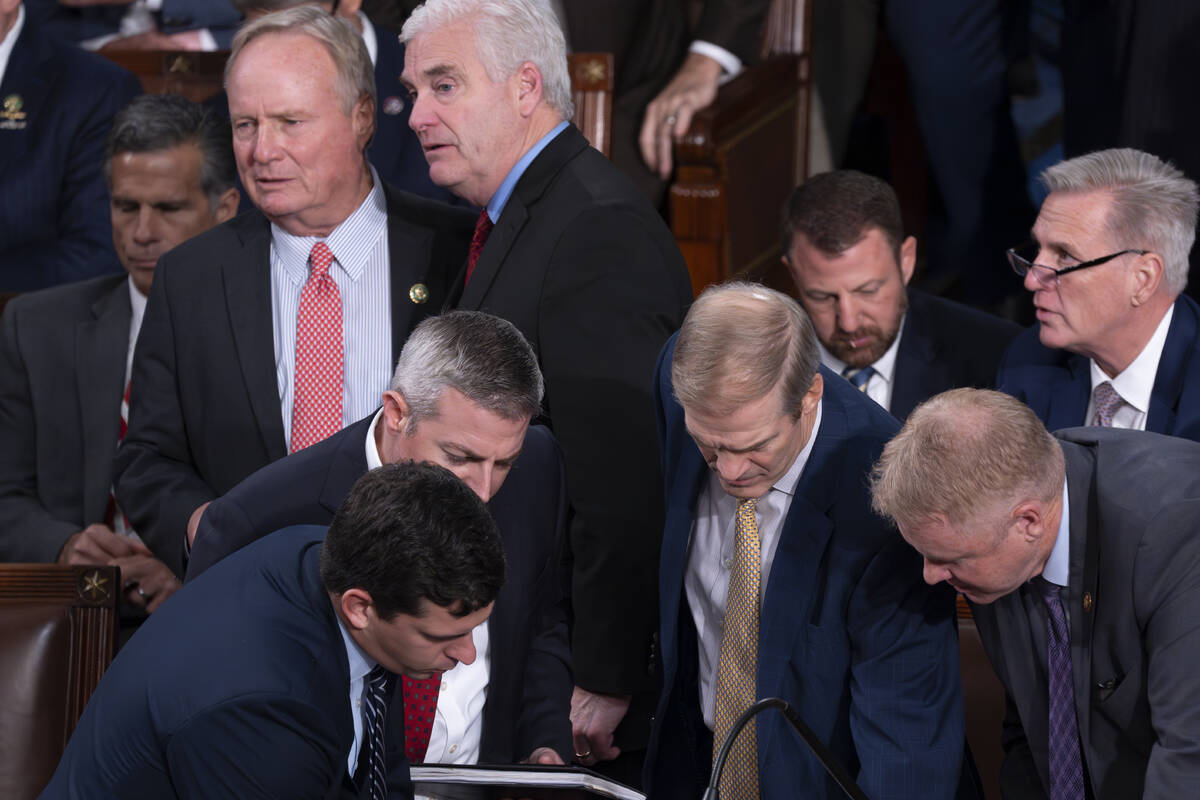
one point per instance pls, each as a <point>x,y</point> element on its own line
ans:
<point>730,466</point>
<point>481,478</point>
<point>934,573</point>
<point>1031,281</point>
<point>143,228</point>
<point>847,312</point>
<point>266,146</point>
<point>462,649</point>
<point>419,117</point>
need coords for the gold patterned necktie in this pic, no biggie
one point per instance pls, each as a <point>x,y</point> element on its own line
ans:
<point>736,670</point>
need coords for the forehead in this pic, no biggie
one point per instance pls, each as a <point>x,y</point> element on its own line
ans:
<point>448,48</point>
<point>1073,218</point>
<point>281,65</point>
<point>173,170</point>
<point>748,424</point>
<point>460,418</point>
<point>872,257</point>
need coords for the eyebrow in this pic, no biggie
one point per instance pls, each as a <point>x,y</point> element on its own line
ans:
<point>468,453</point>
<point>735,450</point>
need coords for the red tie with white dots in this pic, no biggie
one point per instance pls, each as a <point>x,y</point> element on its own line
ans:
<point>317,386</point>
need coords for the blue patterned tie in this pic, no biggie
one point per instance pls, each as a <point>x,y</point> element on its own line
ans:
<point>376,689</point>
<point>1066,765</point>
<point>859,377</point>
<point>1106,401</point>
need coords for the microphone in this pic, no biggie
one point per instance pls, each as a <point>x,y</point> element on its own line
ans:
<point>828,760</point>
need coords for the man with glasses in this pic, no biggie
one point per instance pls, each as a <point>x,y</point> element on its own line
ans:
<point>1116,344</point>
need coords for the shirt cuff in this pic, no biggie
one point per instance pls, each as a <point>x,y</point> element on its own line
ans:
<point>730,63</point>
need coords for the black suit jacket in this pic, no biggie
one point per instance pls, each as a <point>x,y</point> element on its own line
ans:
<point>945,345</point>
<point>205,401</point>
<point>56,106</point>
<point>246,705</point>
<point>582,265</point>
<point>529,688</point>
<point>62,374</point>
<point>1134,588</point>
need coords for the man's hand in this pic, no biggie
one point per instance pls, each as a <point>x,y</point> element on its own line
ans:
<point>148,582</point>
<point>194,523</point>
<point>594,717</point>
<point>544,755</point>
<point>669,115</point>
<point>97,544</point>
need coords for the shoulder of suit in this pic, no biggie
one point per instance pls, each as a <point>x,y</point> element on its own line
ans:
<point>939,312</point>
<point>85,71</point>
<point>426,213</point>
<point>65,301</point>
<point>1027,350</point>
<point>230,236</point>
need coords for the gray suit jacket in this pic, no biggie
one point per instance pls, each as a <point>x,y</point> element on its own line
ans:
<point>1133,599</point>
<point>62,373</point>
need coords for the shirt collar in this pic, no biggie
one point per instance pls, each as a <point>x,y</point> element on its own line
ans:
<point>369,39</point>
<point>787,483</point>
<point>10,41</point>
<point>1135,383</point>
<point>137,305</point>
<point>373,459</point>
<point>884,367</point>
<point>1058,566</point>
<point>360,662</point>
<point>495,206</point>
<point>350,247</point>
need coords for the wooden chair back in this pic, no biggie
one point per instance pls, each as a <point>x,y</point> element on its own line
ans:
<point>196,76</point>
<point>58,633</point>
<point>592,93</point>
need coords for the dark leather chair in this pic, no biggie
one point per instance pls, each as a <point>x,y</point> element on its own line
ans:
<point>58,633</point>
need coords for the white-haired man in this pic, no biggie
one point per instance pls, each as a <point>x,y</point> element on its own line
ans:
<point>587,270</point>
<point>1116,344</point>
<point>1079,555</point>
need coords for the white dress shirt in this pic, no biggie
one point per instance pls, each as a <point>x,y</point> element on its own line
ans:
<point>881,383</point>
<point>137,307</point>
<point>1135,383</point>
<point>363,278</point>
<point>1058,566</point>
<point>458,721</point>
<point>361,665</point>
<point>710,557</point>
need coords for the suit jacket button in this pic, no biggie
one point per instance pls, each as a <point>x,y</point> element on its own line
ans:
<point>1087,601</point>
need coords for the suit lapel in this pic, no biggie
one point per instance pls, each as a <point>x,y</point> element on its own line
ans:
<point>529,189</point>
<point>793,585</point>
<point>916,367</point>
<point>677,533</point>
<point>1085,558</point>
<point>101,345</point>
<point>246,275</point>
<point>1172,367</point>
<point>348,464</point>
<point>1069,394</point>
<point>410,256</point>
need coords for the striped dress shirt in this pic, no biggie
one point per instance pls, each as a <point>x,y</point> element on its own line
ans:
<point>361,271</point>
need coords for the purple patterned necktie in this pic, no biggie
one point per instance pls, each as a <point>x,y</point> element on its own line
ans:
<point>1106,401</point>
<point>1066,765</point>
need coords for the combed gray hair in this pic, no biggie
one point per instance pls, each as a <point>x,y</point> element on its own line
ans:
<point>163,121</point>
<point>355,73</point>
<point>507,34</point>
<point>1153,204</point>
<point>961,454</point>
<point>738,342</point>
<point>484,357</point>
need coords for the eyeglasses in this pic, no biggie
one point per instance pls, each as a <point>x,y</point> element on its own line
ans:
<point>1021,259</point>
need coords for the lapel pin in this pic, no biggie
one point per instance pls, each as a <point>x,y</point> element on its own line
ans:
<point>11,115</point>
<point>419,293</point>
<point>1087,601</point>
<point>393,105</point>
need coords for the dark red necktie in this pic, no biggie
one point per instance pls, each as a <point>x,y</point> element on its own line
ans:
<point>483,226</point>
<point>420,705</point>
<point>317,385</point>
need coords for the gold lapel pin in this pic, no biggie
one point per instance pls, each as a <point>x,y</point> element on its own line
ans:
<point>419,293</point>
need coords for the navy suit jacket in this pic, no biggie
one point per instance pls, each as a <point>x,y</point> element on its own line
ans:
<point>62,374</point>
<point>529,688</point>
<point>239,686</point>
<point>1057,384</point>
<point>945,345</point>
<point>205,398</point>
<point>56,106</point>
<point>849,635</point>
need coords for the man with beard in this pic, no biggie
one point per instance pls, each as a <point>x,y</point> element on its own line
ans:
<point>844,244</point>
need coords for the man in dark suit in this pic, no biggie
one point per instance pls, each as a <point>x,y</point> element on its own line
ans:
<point>465,388</point>
<point>844,244</point>
<point>56,105</point>
<point>586,269</point>
<point>65,352</point>
<point>394,151</point>
<point>250,346</point>
<point>1079,554</point>
<point>1116,343</point>
<point>279,687</point>
<point>778,581</point>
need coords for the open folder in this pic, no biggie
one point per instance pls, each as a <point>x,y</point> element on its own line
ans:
<point>474,782</point>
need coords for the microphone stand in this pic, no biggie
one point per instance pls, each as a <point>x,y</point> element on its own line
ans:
<point>828,760</point>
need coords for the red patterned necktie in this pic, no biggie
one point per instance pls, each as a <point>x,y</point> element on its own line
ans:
<point>420,704</point>
<point>113,515</point>
<point>483,227</point>
<point>317,386</point>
